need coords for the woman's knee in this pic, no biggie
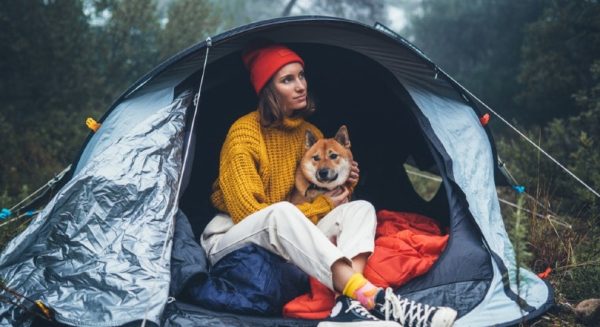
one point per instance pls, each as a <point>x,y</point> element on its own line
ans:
<point>363,204</point>
<point>361,210</point>
<point>363,207</point>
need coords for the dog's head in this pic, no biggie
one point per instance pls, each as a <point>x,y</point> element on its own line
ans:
<point>327,162</point>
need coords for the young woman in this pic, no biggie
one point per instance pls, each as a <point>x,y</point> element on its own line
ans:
<point>329,238</point>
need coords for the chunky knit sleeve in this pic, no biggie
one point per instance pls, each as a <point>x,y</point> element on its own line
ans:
<point>242,190</point>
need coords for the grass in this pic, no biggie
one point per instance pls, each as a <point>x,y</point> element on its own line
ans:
<point>565,244</point>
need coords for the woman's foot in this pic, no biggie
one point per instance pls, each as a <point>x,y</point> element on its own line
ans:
<point>390,306</point>
<point>349,312</point>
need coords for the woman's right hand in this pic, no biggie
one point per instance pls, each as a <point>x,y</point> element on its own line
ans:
<point>338,196</point>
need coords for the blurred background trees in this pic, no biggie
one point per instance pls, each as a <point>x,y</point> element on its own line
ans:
<point>536,62</point>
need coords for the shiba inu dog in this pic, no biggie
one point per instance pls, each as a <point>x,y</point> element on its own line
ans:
<point>326,165</point>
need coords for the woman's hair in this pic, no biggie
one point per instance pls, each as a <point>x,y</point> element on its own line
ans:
<point>271,110</point>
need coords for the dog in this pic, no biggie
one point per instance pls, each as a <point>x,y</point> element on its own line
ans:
<point>325,166</point>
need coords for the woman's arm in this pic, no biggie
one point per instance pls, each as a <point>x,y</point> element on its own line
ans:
<point>241,185</point>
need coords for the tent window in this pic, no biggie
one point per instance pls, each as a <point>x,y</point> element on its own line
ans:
<point>426,184</point>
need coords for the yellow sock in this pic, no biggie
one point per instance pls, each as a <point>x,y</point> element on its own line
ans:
<point>359,288</point>
<point>355,282</point>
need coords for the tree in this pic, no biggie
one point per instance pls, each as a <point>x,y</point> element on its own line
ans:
<point>366,11</point>
<point>126,44</point>
<point>46,79</point>
<point>188,22</point>
<point>559,49</point>
<point>478,43</point>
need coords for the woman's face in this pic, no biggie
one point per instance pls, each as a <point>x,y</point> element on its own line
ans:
<point>291,87</point>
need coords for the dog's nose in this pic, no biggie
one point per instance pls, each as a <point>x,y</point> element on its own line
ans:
<point>323,174</point>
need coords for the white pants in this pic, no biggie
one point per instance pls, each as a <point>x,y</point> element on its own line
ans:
<point>345,232</point>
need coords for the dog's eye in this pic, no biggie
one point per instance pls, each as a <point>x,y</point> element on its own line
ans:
<point>316,158</point>
<point>333,156</point>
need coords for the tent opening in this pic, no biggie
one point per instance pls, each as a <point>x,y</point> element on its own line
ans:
<point>349,89</point>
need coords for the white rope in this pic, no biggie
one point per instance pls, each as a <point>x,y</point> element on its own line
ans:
<point>549,217</point>
<point>433,178</point>
<point>502,165</point>
<point>528,140</point>
<point>49,183</point>
<point>32,213</point>
<point>189,138</point>
<point>545,153</point>
<point>185,159</point>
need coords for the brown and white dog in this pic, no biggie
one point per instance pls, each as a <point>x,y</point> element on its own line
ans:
<point>326,165</point>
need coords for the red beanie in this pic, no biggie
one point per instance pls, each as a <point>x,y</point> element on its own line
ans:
<point>264,62</point>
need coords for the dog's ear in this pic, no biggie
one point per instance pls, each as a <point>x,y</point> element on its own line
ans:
<point>310,139</point>
<point>342,136</point>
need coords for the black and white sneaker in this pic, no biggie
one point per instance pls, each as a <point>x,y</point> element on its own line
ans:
<point>348,312</point>
<point>390,306</point>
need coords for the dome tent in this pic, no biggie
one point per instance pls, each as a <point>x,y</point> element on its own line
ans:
<point>100,252</point>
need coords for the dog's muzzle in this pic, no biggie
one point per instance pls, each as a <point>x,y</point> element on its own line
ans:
<point>326,175</point>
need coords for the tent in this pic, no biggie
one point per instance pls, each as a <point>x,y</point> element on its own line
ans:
<point>102,251</point>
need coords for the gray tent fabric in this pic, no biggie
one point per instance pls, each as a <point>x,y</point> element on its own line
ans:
<point>99,251</point>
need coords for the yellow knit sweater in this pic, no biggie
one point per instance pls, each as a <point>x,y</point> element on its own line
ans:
<point>257,167</point>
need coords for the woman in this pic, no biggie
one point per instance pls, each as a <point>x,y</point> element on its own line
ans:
<point>256,174</point>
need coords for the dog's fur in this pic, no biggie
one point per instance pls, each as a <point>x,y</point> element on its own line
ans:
<point>326,165</point>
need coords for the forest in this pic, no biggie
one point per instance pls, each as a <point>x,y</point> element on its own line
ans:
<point>536,63</point>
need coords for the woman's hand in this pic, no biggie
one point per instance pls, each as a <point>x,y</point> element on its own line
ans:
<point>354,173</point>
<point>338,196</point>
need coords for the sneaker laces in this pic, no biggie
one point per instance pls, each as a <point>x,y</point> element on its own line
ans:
<point>406,312</point>
<point>360,309</point>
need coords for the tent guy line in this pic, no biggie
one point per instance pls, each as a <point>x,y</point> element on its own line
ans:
<point>539,148</point>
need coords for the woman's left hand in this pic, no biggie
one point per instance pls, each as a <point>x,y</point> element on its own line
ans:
<point>354,173</point>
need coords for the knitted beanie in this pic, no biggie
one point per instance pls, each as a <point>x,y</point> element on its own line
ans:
<point>264,62</point>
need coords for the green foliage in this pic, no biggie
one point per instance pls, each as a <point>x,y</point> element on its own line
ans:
<point>573,254</point>
<point>126,44</point>
<point>64,61</point>
<point>45,80</point>
<point>188,22</point>
<point>518,232</point>
<point>573,141</point>
<point>558,51</point>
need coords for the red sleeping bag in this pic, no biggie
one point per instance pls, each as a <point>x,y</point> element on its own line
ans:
<point>406,246</point>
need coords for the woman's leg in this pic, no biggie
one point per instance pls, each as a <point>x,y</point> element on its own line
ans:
<point>284,230</point>
<point>359,262</point>
<point>351,227</point>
